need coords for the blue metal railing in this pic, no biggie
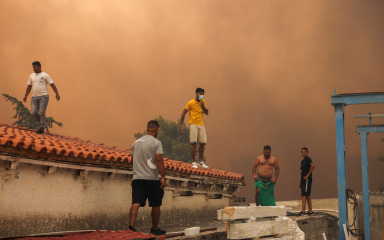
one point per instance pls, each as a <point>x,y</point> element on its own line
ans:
<point>339,101</point>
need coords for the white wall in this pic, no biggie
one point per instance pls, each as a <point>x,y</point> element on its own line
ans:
<point>34,201</point>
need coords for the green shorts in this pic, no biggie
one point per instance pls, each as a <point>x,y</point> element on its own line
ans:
<point>262,181</point>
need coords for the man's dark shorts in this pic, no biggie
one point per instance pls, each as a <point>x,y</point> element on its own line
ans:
<point>147,189</point>
<point>306,186</point>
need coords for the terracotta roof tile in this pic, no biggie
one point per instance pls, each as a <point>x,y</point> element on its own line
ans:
<point>105,235</point>
<point>26,142</point>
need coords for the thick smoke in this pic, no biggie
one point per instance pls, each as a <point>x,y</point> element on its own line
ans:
<point>268,67</point>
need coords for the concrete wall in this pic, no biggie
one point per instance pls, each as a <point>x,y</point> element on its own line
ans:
<point>376,200</point>
<point>376,211</point>
<point>324,222</point>
<point>322,204</point>
<point>315,226</point>
<point>37,199</point>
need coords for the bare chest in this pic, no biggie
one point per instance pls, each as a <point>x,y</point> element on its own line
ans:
<point>266,163</point>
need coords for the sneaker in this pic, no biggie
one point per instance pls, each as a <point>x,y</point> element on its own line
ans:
<point>311,213</point>
<point>194,165</point>
<point>202,164</point>
<point>301,213</point>
<point>132,228</point>
<point>158,232</point>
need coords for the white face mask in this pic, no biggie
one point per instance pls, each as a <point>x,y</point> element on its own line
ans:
<point>201,97</point>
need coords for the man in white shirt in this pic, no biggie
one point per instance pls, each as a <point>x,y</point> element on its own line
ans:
<point>38,83</point>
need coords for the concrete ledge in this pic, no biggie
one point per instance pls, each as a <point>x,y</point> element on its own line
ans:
<point>257,229</point>
<point>315,226</point>
<point>233,213</point>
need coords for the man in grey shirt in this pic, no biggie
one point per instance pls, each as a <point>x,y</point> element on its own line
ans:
<point>148,162</point>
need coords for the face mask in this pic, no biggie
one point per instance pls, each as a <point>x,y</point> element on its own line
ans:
<point>201,97</point>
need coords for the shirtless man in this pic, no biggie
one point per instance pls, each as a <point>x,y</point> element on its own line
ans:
<point>266,163</point>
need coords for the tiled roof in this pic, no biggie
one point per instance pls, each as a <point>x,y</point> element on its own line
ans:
<point>104,235</point>
<point>24,141</point>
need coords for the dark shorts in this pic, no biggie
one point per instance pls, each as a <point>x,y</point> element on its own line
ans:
<point>147,189</point>
<point>306,186</point>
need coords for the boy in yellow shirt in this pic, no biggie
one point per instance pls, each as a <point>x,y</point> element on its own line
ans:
<point>197,108</point>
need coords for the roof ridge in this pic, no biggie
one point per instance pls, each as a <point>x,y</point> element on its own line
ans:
<point>76,149</point>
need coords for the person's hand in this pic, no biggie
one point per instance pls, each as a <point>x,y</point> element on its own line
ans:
<point>25,99</point>
<point>162,181</point>
<point>182,128</point>
<point>305,178</point>
<point>57,97</point>
<point>273,180</point>
<point>255,177</point>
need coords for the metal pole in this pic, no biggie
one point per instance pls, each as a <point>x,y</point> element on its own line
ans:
<point>369,116</point>
<point>364,168</point>
<point>341,169</point>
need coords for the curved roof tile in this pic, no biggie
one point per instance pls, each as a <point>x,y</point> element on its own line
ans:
<point>72,147</point>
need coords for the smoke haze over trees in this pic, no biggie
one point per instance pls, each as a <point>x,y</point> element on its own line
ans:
<point>176,145</point>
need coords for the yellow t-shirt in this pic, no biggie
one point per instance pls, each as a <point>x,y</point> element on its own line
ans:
<point>195,112</point>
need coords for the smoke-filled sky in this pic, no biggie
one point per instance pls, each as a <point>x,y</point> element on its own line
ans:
<point>269,69</point>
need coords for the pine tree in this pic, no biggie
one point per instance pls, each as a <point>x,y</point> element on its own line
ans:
<point>24,116</point>
<point>175,144</point>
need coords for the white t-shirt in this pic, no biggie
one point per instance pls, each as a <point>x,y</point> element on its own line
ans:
<point>39,83</point>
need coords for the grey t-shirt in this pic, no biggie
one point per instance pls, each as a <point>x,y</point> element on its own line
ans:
<point>144,152</point>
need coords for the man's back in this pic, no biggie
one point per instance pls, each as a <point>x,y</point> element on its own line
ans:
<point>144,152</point>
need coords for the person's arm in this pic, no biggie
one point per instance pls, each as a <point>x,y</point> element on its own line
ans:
<point>310,171</point>
<point>182,119</point>
<point>277,171</point>
<point>161,168</point>
<point>205,110</point>
<point>254,168</point>
<point>55,89</point>
<point>27,92</point>
<point>300,182</point>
